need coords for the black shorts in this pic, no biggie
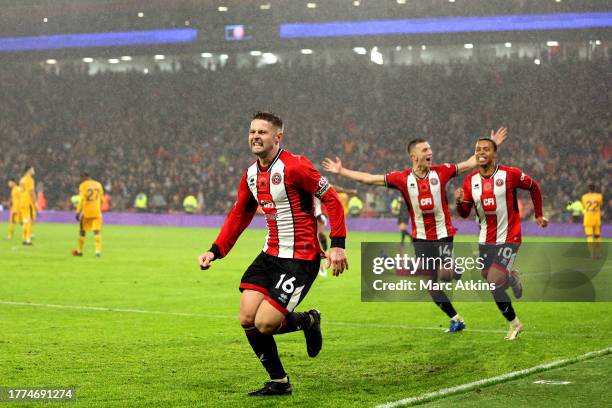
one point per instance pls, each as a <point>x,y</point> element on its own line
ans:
<point>283,281</point>
<point>502,255</point>
<point>434,253</point>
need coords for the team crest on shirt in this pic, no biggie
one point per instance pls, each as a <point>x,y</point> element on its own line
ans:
<point>276,179</point>
<point>251,181</point>
<point>433,181</point>
<point>499,182</point>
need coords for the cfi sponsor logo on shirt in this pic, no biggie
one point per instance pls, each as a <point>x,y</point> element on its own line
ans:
<point>267,204</point>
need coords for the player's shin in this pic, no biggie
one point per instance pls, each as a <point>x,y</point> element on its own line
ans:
<point>502,300</point>
<point>81,243</point>
<point>98,239</point>
<point>294,321</point>
<point>443,302</point>
<point>11,230</point>
<point>265,349</point>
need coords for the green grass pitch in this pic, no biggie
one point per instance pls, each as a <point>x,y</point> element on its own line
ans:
<point>194,353</point>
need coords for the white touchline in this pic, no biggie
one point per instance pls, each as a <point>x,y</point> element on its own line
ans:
<point>445,392</point>
<point>219,316</point>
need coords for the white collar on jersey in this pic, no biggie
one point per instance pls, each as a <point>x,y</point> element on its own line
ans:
<point>421,178</point>
<point>260,170</point>
<point>492,174</point>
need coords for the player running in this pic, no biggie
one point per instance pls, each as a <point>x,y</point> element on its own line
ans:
<point>492,192</point>
<point>592,202</point>
<point>14,217</point>
<point>424,190</point>
<point>89,213</point>
<point>27,204</point>
<point>284,185</point>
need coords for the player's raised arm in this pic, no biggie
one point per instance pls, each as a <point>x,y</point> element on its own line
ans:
<point>311,180</point>
<point>237,220</point>
<point>471,163</point>
<point>335,167</point>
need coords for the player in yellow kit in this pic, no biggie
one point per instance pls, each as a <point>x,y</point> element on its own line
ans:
<point>14,217</point>
<point>27,204</point>
<point>592,203</point>
<point>89,212</point>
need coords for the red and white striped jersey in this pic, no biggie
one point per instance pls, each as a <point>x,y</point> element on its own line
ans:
<point>495,201</point>
<point>285,190</point>
<point>426,200</point>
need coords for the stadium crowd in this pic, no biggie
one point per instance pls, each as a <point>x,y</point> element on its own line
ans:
<point>173,134</point>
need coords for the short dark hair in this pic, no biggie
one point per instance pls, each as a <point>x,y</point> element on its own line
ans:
<point>84,175</point>
<point>27,167</point>
<point>12,179</point>
<point>269,117</point>
<point>413,143</point>
<point>487,139</point>
<point>591,187</point>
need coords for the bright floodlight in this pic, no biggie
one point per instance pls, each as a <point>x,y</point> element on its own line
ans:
<point>88,59</point>
<point>51,61</point>
<point>255,53</point>
<point>206,55</point>
<point>552,43</point>
<point>468,46</point>
<point>360,50</point>
<point>306,51</point>
<point>376,56</point>
<point>159,57</point>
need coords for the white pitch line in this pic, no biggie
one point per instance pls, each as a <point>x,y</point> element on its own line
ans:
<point>114,309</point>
<point>219,316</point>
<point>446,392</point>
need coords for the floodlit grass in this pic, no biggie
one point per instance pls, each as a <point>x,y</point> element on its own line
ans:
<point>194,353</point>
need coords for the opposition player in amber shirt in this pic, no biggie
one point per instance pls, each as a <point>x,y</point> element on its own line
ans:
<point>491,191</point>
<point>14,217</point>
<point>89,213</point>
<point>592,202</point>
<point>423,187</point>
<point>27,204</point>
<point>284,185</point>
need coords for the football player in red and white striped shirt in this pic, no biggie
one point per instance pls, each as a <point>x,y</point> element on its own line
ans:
<point>423,187</point>
<point>492,192</point>
<point>285,186</point>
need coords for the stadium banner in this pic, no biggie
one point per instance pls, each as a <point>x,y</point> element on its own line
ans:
<point>353,224</point>
<point>549,271</point>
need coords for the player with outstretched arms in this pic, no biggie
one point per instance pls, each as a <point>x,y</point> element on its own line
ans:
<point>491,191</point>
<point>285,186</point>
<point>423,187</point>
